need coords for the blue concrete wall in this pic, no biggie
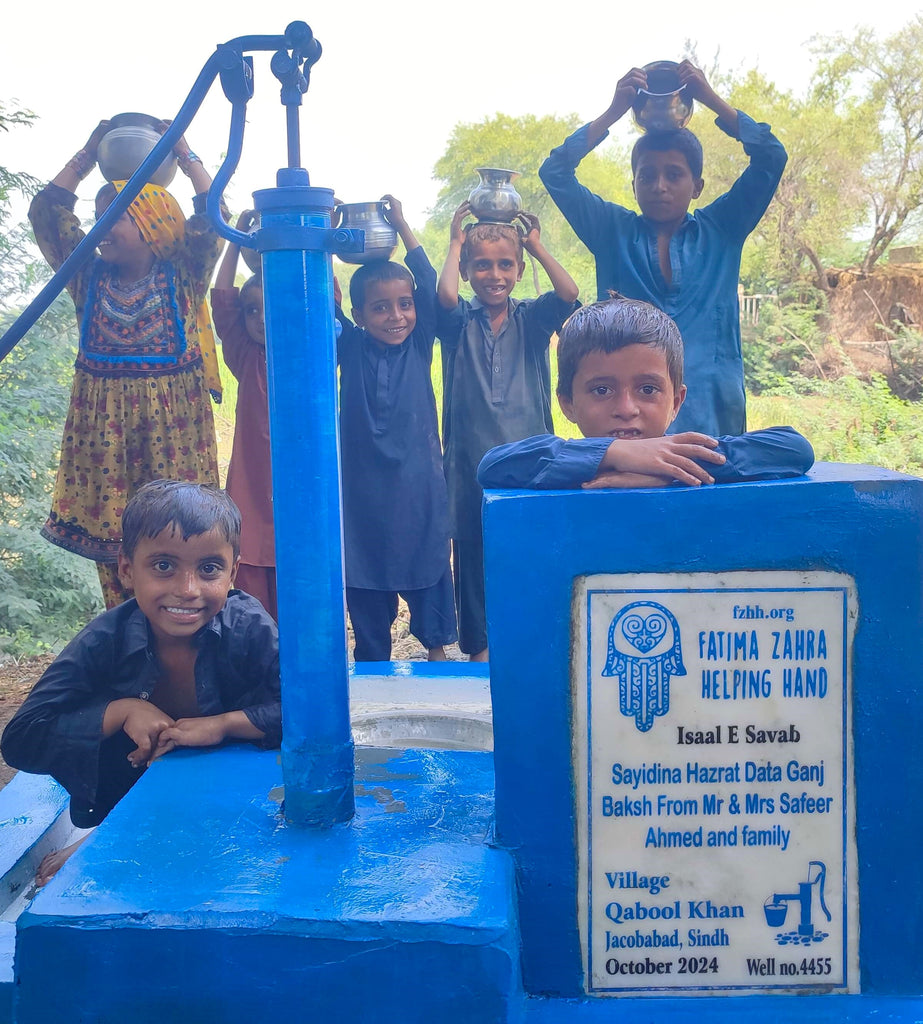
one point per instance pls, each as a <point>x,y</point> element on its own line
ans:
<point>195,901</point>
<point>852,519</point>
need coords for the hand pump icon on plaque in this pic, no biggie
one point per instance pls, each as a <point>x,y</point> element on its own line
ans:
<point>776,908</point>
<point>644,651</point>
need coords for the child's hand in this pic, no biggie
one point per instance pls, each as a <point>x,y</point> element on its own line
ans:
<point>143,722</point>
<point>191,732</point>
<point>668,457</point>
<point>696,83</point>
<point>394,212</point>
<point>457,230</point>
<point>533,231</point>
<point>246,220</point>
<point>626,89</point>
<point>96,136</point>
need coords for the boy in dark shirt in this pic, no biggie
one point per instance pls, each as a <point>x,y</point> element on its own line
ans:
<point>686,264</point>
<point>620,380</point>
<point>395,515</point>
<point>186,662</point>
<point>496,379</point>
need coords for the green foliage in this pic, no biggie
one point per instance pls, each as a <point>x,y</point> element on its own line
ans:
<point>46,593</point>
<point>847,420</point>
<point>906,355</point>
<point>786,340</point>
<point>883,76</point>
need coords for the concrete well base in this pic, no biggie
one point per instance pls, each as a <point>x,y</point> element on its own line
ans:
<point>196,901</point>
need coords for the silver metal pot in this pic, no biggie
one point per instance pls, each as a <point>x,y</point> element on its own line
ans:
<point>380,236</point>
<point>129,140</point>
<point>494,198</point>
<point>665,104</point>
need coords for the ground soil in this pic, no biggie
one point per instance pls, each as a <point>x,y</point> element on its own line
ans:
<point>862,311</point>
<point>18,677</point>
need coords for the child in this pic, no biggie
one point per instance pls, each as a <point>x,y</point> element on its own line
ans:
<point>239,323</point>
<point>188,662</point>
<point>139,403</point>
<point>620,380</point>
<point>496,379</point>
<point>687,265</point>
<point>395,518</point>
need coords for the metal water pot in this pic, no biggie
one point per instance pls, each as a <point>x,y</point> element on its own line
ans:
<point>494,198</point>
<point>665,104</point>
<point>380,236</point>
<point>130,138</point>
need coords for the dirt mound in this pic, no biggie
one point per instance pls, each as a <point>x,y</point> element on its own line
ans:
<point>863,308</point>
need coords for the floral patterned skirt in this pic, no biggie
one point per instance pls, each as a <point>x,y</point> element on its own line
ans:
<point>120,433</point>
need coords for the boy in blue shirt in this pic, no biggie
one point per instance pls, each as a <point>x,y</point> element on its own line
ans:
<point>620,379</point>
<point>686,264</point>
<point>395,507</point>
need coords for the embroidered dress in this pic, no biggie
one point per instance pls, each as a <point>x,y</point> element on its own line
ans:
<point>139,406</point>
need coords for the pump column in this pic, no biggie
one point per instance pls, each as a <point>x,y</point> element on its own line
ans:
<point>317,747</point>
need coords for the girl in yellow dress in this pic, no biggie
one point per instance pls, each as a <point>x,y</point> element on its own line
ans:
<point>140,407</point>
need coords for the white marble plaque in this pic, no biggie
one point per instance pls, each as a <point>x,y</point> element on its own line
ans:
<point>713,768</point>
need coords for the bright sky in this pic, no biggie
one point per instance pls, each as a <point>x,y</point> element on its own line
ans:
<point>394,79</point>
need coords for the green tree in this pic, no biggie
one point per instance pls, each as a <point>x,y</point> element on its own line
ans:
<point>885,74</point>
<point>820,199</point>
<point>46,594</point>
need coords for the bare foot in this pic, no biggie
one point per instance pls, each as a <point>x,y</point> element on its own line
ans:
<point>53,862</point>
<point>436,654</point>
<point>480,656</point>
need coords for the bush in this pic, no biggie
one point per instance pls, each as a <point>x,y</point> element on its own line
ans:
<point>46,594</point>
<point>847,420</point>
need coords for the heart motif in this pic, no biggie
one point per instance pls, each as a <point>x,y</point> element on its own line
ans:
<point>644,633</point>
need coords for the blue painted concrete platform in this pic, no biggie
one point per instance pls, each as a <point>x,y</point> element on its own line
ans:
<point>195,894</point>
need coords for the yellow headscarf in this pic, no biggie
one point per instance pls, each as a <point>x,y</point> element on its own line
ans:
<point>157,215</point>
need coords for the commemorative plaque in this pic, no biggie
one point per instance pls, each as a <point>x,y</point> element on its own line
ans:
<point>713,767</point>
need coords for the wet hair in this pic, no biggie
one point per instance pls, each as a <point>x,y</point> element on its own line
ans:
<point>614,324</point>
<point>372,273</point>
<point>487,232</point>
<point>251,284</point>
<point>192,509</point>
<point>680,139</point>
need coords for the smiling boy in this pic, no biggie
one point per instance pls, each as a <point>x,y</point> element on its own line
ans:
<point>187,662</point>
<point>395,515</point>
<point>496,379</point>
<point>620,379</point>
<point>686,264</point>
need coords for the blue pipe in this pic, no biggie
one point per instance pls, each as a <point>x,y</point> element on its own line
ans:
<point>317,746</point>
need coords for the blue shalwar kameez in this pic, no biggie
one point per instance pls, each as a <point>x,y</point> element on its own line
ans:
<point>395,506</point>
<point>704,260</point>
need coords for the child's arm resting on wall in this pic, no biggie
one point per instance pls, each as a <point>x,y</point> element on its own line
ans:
<point>771,454</point>
<point>546,462</point>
